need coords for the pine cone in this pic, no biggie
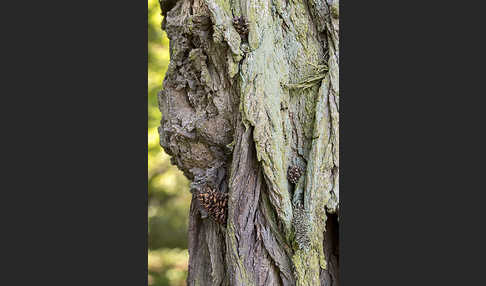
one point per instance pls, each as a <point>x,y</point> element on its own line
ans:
<point>294,173</point>
<point>241,25</point>
<point>215,203</point>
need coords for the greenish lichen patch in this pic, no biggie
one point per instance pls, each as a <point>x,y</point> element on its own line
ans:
<point>311,80</point>
<point>243,276</point>
<point>221,17</point>
<point>291,119</point>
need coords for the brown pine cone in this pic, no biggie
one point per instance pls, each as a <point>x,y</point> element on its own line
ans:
<point>215,203</point>
<point>294,173</point>
<point>241,25</point>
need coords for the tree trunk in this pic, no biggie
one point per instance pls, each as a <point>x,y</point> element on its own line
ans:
<point>245,115</point>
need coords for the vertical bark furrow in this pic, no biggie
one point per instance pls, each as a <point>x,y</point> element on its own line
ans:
<point>332,24</point>
<point>206,251</point>
<point>330,276</point>
<point>254,256</point>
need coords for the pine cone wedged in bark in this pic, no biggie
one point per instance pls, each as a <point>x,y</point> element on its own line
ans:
<point>215,203</point>
<point>294,173</point>
<point>241,25</point>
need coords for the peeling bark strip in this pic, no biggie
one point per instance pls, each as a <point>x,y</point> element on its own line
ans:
<point>250,107</point>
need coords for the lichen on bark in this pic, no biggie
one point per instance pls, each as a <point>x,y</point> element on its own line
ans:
<point>235,118</point>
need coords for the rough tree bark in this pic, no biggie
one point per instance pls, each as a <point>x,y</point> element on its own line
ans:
<point>239,111</point>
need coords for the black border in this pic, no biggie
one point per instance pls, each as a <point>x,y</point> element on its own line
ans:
<point>78,171</point>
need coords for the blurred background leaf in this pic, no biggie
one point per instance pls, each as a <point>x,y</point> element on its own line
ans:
<point>168,190</point>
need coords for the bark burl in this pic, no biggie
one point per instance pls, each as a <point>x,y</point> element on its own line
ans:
<point>251,100</point>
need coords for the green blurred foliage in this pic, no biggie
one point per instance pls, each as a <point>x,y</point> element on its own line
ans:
<point>168,190</point>
<point>167,267</point>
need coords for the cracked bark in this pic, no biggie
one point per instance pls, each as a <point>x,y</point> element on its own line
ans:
<point>238,111</point>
